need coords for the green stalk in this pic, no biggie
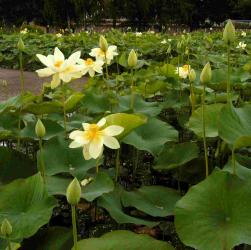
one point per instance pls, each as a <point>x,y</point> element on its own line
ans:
<point>21,72</point>
<point>132,92</point>
<point>117,165</point>
<point>97,165</point>
<point>228,74</point>
<point>42,165</point>
<point>233,162</point>
<point>192,97</point>
<point>64,111</point>
<point>9,244</point>
<point>74,227</point>
<point>204,131</point>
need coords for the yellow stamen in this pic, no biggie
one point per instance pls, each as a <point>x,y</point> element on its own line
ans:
<point>58,64</point>
<point>185,67</point>
<point>93,132</point>
<point>89,61</point>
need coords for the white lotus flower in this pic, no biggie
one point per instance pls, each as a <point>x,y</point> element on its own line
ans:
<point>163,41</point>
<point>24,31</point>
<point>59,68</point>
<point>90,66</point>
<point>86,181</point>
<point>243,34</point>
<point>169,40</point>
<point>138,34</point>
<point>93,138</point>
<point>241,45</point>
<point>183,71</point>
<point>107,56</point>
<point>58,35</point>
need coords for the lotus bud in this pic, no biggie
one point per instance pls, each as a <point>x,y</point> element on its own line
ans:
<point>192,75</point>
<point>229,32</point>
<point>40,129</point>
<point>179,45</point>
<point>6,228</point>
<point>73,192</point>
<point>103,43</point>
<point>132,59</point>
<point>20,44</point>
<point>206,74</point>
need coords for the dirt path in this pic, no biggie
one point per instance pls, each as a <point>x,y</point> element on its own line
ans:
<point>32,83</point>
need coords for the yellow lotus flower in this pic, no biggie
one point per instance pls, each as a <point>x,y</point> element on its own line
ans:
<point>90,66</point>
<point>93,138</point>
<point>183,71</point>
<point>59,68</point>
<point>106,56</point>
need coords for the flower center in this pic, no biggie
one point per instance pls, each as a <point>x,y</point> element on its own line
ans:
<point>89,61</point>
<point>186,67</point>
<point>101,52</point>
<point>93,131</point>
<point>57,64</point>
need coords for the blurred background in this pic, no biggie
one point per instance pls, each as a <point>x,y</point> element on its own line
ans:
<point>137,14</point>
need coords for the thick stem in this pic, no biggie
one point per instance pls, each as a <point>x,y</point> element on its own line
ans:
<point>41,159</point>
<point>132,92</point>
<point>64,111</point>
<point>204,131</point>
<point>192,97</point>
<point>97,165</point>
<point>9,244</point>
<point>117,165</point>
<point>21,72</point>
<point>74,227</point>
<point>228,74</point>
<point>233,162</point>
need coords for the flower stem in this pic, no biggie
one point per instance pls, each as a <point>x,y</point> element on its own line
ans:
<point>117,165</point>
<point>21,72</point>
<point>132,92</point>
<point>204,131</point>
<point>192,96</point>
<point>9,244</point>
<point>233,162</point>
<point>74,227</point>
<point>97,165</point>
<point>42,165</point>
<point>64,110</point>
<point>228,74</point>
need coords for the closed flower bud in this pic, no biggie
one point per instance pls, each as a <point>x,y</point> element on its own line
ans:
<point>229,32</point>
<point>40,129</point>
<point>192,75</point>
<point>206,74</point>
<point>20,45</point>
<point>132,59</point>
<point>6,228</point>
<point>73,192</point>
<point>103,43</point>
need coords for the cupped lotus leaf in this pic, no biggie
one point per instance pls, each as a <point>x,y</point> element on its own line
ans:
<point>112,203</point>
<point>140,106</point>
<point>128,121</point>
<point>14,165</point>
<point>152,136</point>
<point>43,108</point>
<point>59,158</point>
<point>123,240</point>
<point>212,115</point>
<point>72,101</point>
<point>26,205</point>
<point>175,155</point>
<point>235,125</point>
<point>101,184</point>
<point>52,129</point>
<point>53,238</point>
<point>215,214</point>
<point>156,201</point>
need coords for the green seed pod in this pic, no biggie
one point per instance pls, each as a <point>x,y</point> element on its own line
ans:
<point>73,192</point>
<point>103,43</point>
<point>40,129</point>
<point>229,32</point>
<point>20,44</point>
<point>192,75</point>
<point>206,74</point>
<point>132,59</point>
<point>6,228</point>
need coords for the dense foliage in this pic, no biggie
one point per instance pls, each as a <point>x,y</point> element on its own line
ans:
<point>140,13</point>
<point>174,114</point>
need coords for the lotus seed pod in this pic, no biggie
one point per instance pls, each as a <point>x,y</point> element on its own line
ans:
<point>103,43</point>
<point>20,45</point>
<point>132,59</point>
<point>6,228</point>
<point>229,32</point>
<point>192,75</point>
<point>206,74</point>
<point>73,192</point>
<point>40,129</point>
